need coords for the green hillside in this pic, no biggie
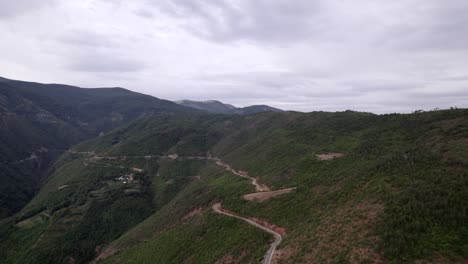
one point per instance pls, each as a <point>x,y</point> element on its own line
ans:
<point>40,121</point>
<point>369,188</point>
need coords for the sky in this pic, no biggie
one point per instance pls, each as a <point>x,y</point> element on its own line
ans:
<point>304,55</point>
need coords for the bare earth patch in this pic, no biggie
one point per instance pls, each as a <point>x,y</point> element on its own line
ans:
<point>263,196</point>
<point>228,259</point>
<point>137,169</point>
<point>192,212</point>
<point>346,234</point>
<point>108,252</point>
<point>451,123</point>
<point>255,181</point>
<point>284,254</point>
<point>278,229</point>
<point>329,156</point>
<point>173,156</point>
<point>349,229</point>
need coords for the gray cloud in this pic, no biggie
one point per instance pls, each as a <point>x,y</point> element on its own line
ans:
<point>438,25</point>
<point>86,38</point>
<point>379,56</point>
<point>144,13</point>
<point>106,63</point>
<point>18,7</point>
<point>222,20</point>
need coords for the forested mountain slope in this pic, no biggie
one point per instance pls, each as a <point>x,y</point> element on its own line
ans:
<point>40,121</point>
<point>366,188</point>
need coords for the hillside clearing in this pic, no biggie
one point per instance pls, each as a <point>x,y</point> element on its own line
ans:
<point>263,196</point>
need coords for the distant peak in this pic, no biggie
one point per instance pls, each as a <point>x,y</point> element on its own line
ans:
<point>217,107</point>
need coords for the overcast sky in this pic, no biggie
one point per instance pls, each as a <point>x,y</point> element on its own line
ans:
<point>306,55</point>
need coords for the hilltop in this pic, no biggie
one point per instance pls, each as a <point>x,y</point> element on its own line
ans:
<point>41,121</point>
<point>217,107</point>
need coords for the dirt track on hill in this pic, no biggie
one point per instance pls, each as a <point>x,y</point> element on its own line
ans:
<point>259,187</point>
<point>263,196</point>
<point>263,191</point>
<point>271,251</point>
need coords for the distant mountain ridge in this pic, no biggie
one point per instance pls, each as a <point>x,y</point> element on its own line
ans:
<point>217,107</point>
<point>39,121</point>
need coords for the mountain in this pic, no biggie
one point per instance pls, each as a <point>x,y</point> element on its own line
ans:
<point>41,121</point>
<point>179,187</point>
<point>253,109</point>
<point>217,107</point>
<point>211,106</point>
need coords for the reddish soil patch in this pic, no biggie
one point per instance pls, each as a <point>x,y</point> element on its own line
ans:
<point>228,259</point>
<point>348,229</point>
<point>192,212</point>
<point>108,252</point>
<point>448,124</point>
<point>283,254</point>
<point>71,260</point>
<point>278,229</point>
<point>263,196</point>
<point>329,156</point>
<point>281,230</point>
<point>439,258</point>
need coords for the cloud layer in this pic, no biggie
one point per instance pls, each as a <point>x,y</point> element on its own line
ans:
<point>393,56</point>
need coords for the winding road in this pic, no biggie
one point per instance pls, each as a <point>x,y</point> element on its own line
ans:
<point>269,255</point>
<point>216,207</point>
<point>260,188</point>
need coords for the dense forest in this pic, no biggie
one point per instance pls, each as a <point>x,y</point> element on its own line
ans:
<point>41,121</point>
<point>397,191</point>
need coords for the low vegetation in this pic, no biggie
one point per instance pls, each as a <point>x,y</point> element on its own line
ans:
<point>396,194</point>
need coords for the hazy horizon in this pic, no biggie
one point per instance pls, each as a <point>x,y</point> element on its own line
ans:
<point>379,57</point>
<point>245,105</point>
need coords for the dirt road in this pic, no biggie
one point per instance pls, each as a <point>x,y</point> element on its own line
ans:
<point>260,188</point>
<point>263,196</point>
<point>271,251</point>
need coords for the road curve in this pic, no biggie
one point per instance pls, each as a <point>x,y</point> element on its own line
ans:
<point>269,255</point>
<point>259,187</point>
<point>216,207</point>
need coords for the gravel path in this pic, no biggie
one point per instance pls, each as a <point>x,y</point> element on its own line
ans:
<point>271,251</point>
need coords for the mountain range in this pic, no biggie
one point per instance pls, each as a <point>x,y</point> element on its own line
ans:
<point>40,121</point>
<point>113,176</point>
<point>217,107</point>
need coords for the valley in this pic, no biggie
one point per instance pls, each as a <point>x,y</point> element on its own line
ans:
<point>177,186</point>
<point>263,191</point>
<point>233,132</point>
